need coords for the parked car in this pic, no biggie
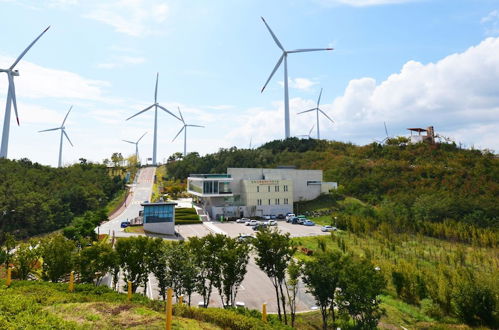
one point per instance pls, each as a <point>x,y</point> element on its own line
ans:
<point>308,223</point>
<point>270,223</point>
<point>301,220</point>
<point>281,217</point>
<point>245,238</point>
<point>242,220</point>
<point>259,226</point>
<point>328,228</point>
<point>272,217</point>
<point>125,224</point>
<point>290,217</point>
<point>266,217</point>
<point>294,221</point>
<point>252,223</point>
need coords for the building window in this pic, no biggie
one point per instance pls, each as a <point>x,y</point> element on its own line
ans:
<point>276,188</point>
<point>277,201</point>
<point>257,188</point>
<point>269,198</point>
<point>269,188</point>
<point>285,188</point>
<point>285,201</point>
<point>259,202</point>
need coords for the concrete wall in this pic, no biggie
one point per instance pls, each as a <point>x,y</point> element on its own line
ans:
<point>165,228</point>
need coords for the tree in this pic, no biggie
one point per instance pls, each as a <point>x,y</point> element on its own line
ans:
<point>158,264</point>
<point>206,258</point>
<point>133,252</point>
<point>234,257</point>
<point>95,261</point>
<point>274,251</point>
<point>292,285</point>
<point>58,254</point>
<point>361,285</point>
<point>9,243</point>
<point>474,302</point>
<point>322,277</point>
<point>25,259</point>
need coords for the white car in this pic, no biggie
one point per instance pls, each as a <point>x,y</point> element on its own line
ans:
<point>252,223</point>
<point>242,220</point>
<point>328,228</point>
<point>270,223</point>
<point>290,216</point>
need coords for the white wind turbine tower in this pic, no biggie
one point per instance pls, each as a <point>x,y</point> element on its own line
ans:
<point>309,135</point>
<point>156,106</point>
<point>136,146</point>
<point>63,132</point>
<point>317,110</point>
<point>184,128</point>
<point>11,98</point>
<point>284,57</point>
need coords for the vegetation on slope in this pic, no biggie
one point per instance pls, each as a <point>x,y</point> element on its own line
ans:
<point>37,199</point>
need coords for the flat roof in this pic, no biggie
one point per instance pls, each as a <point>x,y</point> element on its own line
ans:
<point>158,203</point>
<point>417,129</point>
<point>207,176</point>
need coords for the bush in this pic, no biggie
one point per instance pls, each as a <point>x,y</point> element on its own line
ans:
<point>187,222</point>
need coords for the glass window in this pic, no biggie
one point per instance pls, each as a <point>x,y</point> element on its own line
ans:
<point>269,199</point>
<point>268,188</point>
<point>257,188</point>
<point>158,213</point>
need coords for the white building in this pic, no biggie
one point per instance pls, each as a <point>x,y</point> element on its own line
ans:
<point>256,191</point>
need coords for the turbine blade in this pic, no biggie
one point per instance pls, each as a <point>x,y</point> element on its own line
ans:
<point>310,132</point>
<point>67,137</point>
<point>66,116</point>
<point>168,111</point>
<point>319,99</point>
<point>194,126</point>
<point>273,71</point>
<point>26,50</point>
<point>181,117</point>
<point>326,115</point>
<point>308,50</point>
<point>138,113</point>
<point>273,35</point>
<point>183,127</point>
<point>12,94</point>
<point>50,129</point>
<point>156,89</point>
<point>307,110</point>
<point>141,137</point>
<point>128,141</point>
<point>386,131</point>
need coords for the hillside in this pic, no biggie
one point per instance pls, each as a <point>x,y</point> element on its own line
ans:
<point>42,305</point>
<point>37,199</point>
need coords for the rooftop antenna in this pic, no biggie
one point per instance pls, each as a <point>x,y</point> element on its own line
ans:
<point>156,106</point>
<point>284,57</point>
<point>63,132</point>
<point>184,128</point>
<point>317,110</point>
<point>11,98</point>
<point>136,146</point>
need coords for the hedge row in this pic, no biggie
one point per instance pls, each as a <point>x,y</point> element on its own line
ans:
<point>187,222</point>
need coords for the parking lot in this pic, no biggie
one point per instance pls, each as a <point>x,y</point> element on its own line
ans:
<point>234,229</point>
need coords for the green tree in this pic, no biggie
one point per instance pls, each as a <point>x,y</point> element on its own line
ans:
<point>475,302</point>
<point>158,264</point>
<point>361,285</point>
<point>26,258</point>
<point>133,252</point>
<point>294,272</point>
<point>274,251</point>
<point>58,254</point>
<point>96,261</point>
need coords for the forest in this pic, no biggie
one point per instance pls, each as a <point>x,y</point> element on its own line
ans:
<point>36,199</point>
<point>415,183</point>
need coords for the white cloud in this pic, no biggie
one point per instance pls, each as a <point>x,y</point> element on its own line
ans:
<point>458,95</point>
<point>364,3</point>
<point>300,83</point>
<point>132,17</point>
<point>491,23</point>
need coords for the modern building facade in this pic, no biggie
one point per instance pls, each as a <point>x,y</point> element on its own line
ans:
<point>255,191</point>
<point>159,217</point>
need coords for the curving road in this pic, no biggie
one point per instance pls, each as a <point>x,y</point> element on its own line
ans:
<point>140,192</point>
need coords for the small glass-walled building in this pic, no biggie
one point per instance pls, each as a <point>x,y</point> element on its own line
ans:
<point>159,217</point>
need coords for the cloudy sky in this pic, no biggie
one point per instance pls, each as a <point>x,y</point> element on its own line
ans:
<point>409,63</point>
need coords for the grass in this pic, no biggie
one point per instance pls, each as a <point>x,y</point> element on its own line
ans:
<point>135,229</point>
<point>43,305</point>
<point>117,201</point>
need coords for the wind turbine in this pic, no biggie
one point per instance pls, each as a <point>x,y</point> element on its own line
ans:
<point>156,106</point>
<point>387,136</point>
<point>284,57</point>
<point>309,133</point>
<point>317,110</point>
<point>63,132</point>
<point>11,98</point>
<point>184,128</point>
<point>136,146</point>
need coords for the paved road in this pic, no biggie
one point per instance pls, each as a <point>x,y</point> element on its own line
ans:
<point>141,191</point>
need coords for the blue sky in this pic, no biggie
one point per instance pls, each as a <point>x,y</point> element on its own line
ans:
<point>409,63</point>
